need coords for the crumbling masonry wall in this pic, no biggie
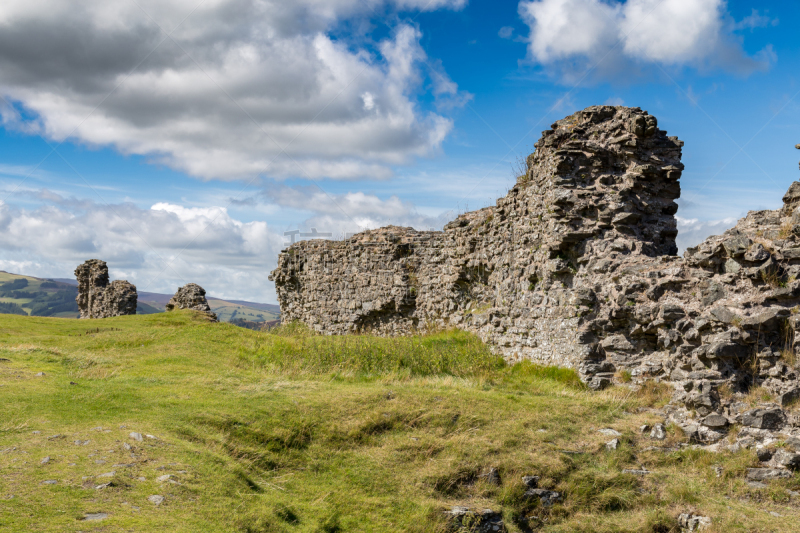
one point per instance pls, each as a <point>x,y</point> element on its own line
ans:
<point>576,267</point>
<point>600,185</point>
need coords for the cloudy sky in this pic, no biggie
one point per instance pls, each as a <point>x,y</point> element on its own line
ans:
<point>180,140</point>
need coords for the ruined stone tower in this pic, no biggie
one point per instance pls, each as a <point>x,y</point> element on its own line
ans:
<point>97,298</point>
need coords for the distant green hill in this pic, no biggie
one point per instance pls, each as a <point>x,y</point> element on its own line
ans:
<point>37,297</point>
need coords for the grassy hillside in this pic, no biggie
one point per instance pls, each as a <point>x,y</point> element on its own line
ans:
<point>247,431</point>
<point>39,297</point>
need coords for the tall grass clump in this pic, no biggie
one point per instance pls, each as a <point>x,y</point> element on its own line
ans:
<point>295,349</point>
<point>528,371</point>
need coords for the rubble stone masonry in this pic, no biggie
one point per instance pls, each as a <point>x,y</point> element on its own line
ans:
<point>576,266</point>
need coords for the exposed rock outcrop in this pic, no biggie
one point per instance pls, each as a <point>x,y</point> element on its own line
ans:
<point>191,296</point>
<point>97,298</point>
<point>576,267</point>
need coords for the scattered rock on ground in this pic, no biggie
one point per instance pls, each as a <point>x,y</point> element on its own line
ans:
<point>546,497</point>
<point>764,419</point>
<point>689,522</point>
<point>636,472</point>
<point>477,521</point>
<point>659,432</point>
<point>156,499</point>
<point>492,476</point>
<point>763,474</point>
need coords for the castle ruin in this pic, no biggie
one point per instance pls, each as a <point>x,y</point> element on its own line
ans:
<point>97,298</point>
<point>576,266</point>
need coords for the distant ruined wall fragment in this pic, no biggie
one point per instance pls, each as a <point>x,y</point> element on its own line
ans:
<point>97,298</point>
<point>191,296</point>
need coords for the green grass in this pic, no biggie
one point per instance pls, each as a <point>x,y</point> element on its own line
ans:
<point>291,432</point>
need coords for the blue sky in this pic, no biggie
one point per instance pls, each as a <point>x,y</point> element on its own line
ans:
<point>178,140</point>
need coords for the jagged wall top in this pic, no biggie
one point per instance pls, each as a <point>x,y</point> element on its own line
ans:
<point>600,186</point>
<point>607,173</point>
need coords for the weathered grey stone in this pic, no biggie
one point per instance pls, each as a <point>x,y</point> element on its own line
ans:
<point>191,296</point>
<point>546,497</point>
<point>732,266</point>
<point>789,397</point>
<point>659,432</point>
<point>756,253</point>
<point>715,421</point>
<point>737,246</point>
<point>689,522</point>
<point>531,482</point>
<point>97,298</point>
<point>598,382</point>
<point>492,476</point>
<point>785,459</point>
<point>764,474</point>
<point>617,343</point>
<point>764,419</point>
<point>477,520</point>
<point>636,472</point>
<point>764,454</point>
<point>613,444</point>
<point>92,517</point>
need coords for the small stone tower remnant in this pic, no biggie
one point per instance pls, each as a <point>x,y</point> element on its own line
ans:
<point>97,298</point>
<point>191,296</point>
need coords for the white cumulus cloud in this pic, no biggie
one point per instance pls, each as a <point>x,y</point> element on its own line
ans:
<point>619,38</point>
<point>693,231</point>
<point>224,88</point>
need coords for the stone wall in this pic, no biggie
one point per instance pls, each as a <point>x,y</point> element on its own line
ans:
<point>97,298</point>
<point>601,184</point>
<point>576,267</point>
